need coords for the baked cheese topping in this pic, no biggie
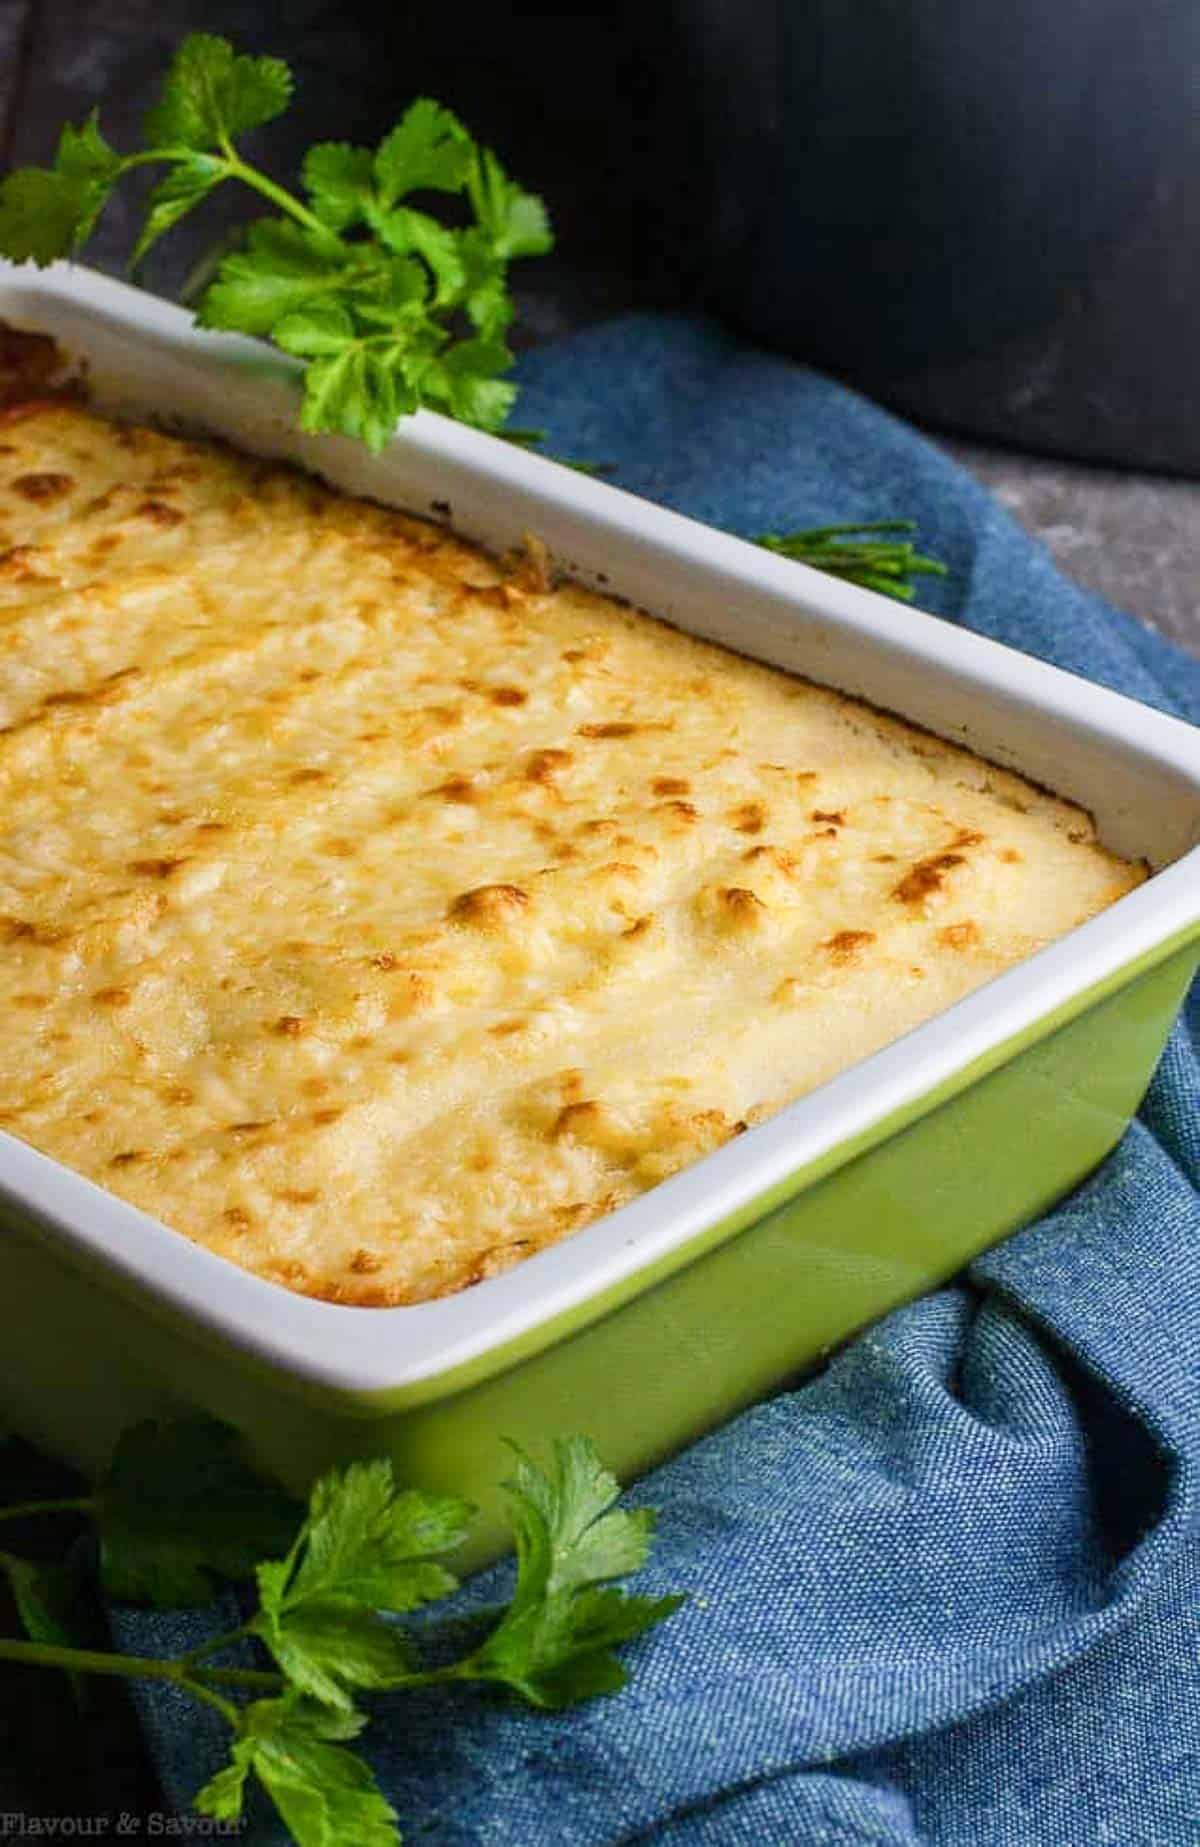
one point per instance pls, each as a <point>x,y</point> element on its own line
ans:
<point>376,914</point>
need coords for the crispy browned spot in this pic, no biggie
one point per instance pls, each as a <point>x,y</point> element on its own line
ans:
<point>112,997</point>
<point>159,513</point>
<point>28,361</point>
<point>17,563</point>
<point>155,868</point>
<point>17,929</point>
<point>740,906</point>
<point>1010,856</point>
<point>829,814</point>
<point>290,1026</point>
<point>489,905</point>
<point>960,935</point>
<point>928,875</point>
<point>366,1263</point>
<point>641,926</point>
<point>749,817</point>
<point>611,728</point>
<point>967,837</point>
<point>385,960</point>
<point>237,1218</point>
<point>684,811</point>
<point>671,785</point>
<point>786,862</point>
<point>457,789</point>
<point>42,487</point>
<point>323,1117</point>
<point>845,944</point>
<point>504,1028</point>
<point>544,765</point>
<point>507,695</point>
<point>128,1157</point>
<point>298,1196</point>
<point>246,1128</point>
<point>584,1118</point>
<point>22,408</point>
<point>178,1093</point>
<point>306,775</point>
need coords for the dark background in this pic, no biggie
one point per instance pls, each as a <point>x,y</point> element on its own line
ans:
<point>985,212</point>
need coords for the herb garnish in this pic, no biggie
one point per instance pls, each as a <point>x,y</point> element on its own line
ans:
<point>865,553</point>
<point>181,1507</point>
<point>387,307</point>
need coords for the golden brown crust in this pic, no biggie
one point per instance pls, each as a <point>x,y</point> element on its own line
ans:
<point>376,917</point>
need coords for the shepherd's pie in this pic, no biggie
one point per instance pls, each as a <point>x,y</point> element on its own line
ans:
<point>377,913</point>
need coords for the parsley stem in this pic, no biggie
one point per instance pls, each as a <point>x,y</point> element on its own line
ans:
<point>259,182</point>
<point>23,1510</point>
<point>130,1667</point>
<point>214,1646</point>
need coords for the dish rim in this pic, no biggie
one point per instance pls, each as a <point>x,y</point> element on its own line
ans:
<point>417,1351</point>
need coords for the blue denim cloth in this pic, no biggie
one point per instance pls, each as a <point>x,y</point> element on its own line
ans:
<point>949,1592</point>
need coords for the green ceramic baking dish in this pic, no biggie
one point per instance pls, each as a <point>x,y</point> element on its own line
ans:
<point>659,1320</point>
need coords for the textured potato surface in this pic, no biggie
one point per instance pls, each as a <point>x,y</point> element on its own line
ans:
<point>376,914</point>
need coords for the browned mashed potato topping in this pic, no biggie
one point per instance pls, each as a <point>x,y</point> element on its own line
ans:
<point>376,914</point>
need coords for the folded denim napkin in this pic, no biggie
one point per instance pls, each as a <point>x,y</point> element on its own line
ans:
<point>949,1592</point>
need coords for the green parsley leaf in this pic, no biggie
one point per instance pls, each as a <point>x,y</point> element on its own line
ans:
<point>463,381</point>
<point>210,95</point>
<point>364,1548</point>
<point>429,150</point>
<point>338,179</point>
<point>283,267</point>
<point>484,295</point>
<point>554,1645</point>
<point>184,187</point>
<point>404,229</point>
<point>180,1506</point>
<point>326,1796</point>
<point>351,386</point>
<point>366,1539</point>
<point>330,1645</point>
<point>513,220</point>
<point>45,212</point>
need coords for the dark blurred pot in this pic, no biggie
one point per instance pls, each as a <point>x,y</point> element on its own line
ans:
<point>985,211</point>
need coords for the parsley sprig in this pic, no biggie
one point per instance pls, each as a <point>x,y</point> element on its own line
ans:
<point>180,1509</point>
<point>877,554</point>
<point>387,307</point>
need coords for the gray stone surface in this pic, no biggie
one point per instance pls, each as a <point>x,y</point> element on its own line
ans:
<point>1133,538</point>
